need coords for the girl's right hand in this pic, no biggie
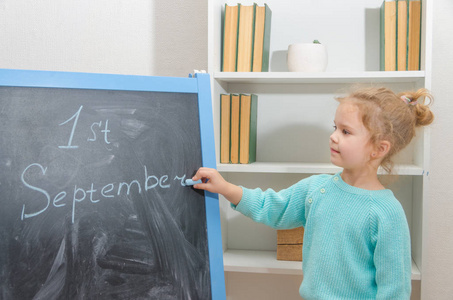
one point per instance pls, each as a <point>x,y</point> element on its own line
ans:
<point>213,182</point>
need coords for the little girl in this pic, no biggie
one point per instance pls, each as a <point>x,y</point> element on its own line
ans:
<point>356,242</point>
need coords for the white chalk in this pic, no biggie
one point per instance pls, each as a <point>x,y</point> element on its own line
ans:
<point>191,182</point>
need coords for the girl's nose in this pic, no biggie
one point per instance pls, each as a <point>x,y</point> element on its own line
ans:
<point>333,137</point>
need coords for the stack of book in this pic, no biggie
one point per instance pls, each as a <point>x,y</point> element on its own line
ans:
<point>290,243</point>
<point>238,120</point>
<point>246,38</point>
<point>400,35</point>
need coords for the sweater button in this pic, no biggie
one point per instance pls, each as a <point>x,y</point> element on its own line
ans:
<point>323,191</point>
<point>310,200</point>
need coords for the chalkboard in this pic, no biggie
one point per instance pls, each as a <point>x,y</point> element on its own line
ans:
<point>92,188</point>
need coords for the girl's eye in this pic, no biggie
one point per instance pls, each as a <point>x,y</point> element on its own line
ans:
<point>344,131</point>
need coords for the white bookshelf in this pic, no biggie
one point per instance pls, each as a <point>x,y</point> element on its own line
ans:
<point>295,115</point>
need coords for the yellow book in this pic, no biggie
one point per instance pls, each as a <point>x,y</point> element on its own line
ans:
<point>414,27</point>
<point>225,117</point>
<point>388,36</point>
<point>245,37</point>
<point>262,37</point>
<point>247,128</point>
<point>230,31</point>
<point>401,35</point>
<point>234,141</point>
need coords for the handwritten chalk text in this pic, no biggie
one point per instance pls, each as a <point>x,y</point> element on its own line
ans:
<point>93,193</point>
<point>93,138</point>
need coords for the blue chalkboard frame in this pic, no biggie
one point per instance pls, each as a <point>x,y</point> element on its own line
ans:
<point>198,84</point>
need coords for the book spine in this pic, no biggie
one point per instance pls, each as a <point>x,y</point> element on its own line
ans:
<point>225,15</point>
<point>388,46</point>
<point>253,128</point>
<point>414,32</point>
<point>258,38</point>
<point>253,37</point>
<point>248,125</point>
<point>235,116</point>
<point>230,38</point>
<point>244,129</point>
<point>225,128</point>
<point>401,35</point>
<point>266,39</point>
<point>246,31</point>
<point>382,38</point>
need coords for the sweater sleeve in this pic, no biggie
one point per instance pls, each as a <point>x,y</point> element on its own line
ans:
<point>281,210</point>
<point>392,254</point>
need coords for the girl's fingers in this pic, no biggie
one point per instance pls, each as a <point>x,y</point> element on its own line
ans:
<point>208,179</point>
<point>202,173</point>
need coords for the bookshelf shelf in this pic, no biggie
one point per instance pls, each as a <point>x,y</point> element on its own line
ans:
<point>266,262</point>
<point>259,262</point>
<point>325,77</point>
<point>305,168</point>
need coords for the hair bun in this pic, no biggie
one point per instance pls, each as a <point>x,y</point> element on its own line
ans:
<point>423,114</point>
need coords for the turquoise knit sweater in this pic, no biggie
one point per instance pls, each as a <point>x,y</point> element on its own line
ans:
<point>356,242</point>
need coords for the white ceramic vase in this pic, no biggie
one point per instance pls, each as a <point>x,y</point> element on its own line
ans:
<point>305,57</point>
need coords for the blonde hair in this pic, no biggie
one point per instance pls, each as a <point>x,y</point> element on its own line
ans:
<point>392,117</point>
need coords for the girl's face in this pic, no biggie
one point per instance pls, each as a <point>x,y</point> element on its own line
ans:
<point>350,146</point>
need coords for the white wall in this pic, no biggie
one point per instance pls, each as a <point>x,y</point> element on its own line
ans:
<point>141,37</point>
<point>437,280</point>
<point>169,38</point>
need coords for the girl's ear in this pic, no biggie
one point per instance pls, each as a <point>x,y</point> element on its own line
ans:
<point>382,149</point>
